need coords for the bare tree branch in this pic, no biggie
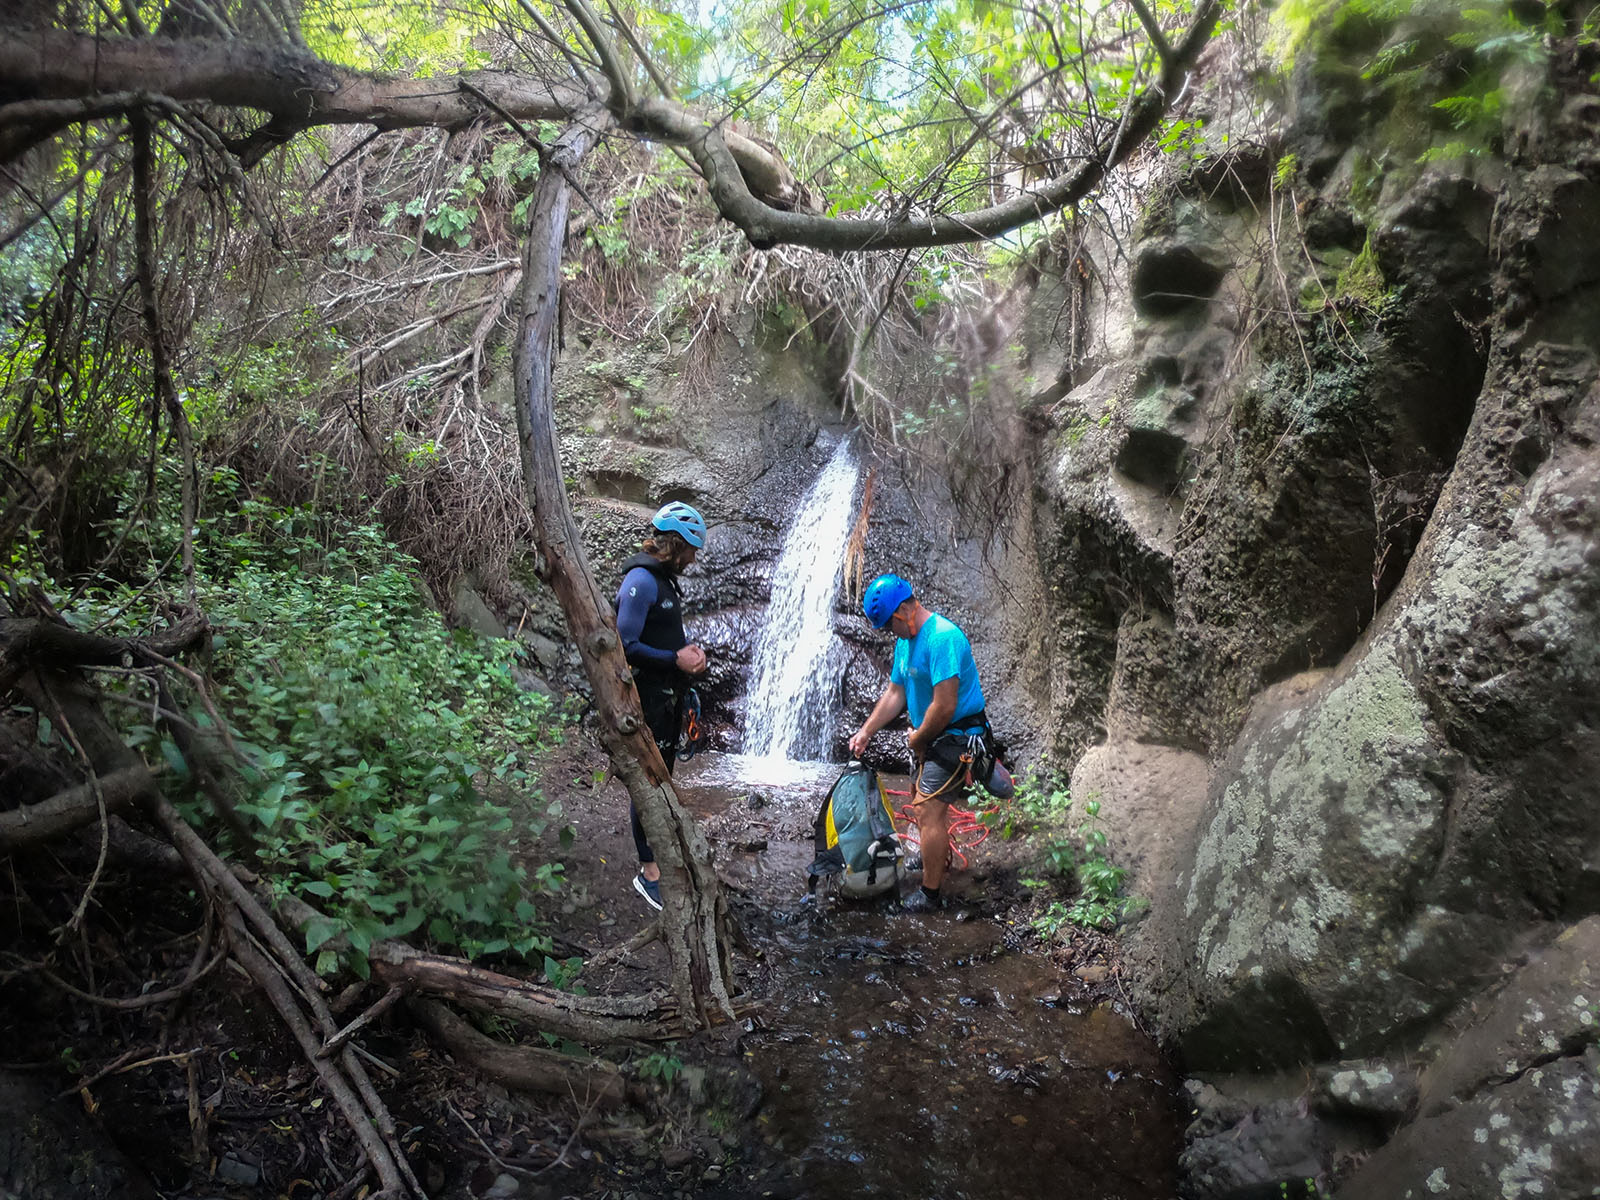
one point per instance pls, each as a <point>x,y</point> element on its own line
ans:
<point>766,227</point>
<point>301,91</point>
<point>1157,38</point>
<point>165,391</point>
<point>38,824</point>
<point>621,100</point>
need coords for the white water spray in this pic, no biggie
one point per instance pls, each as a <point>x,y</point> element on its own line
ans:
<point>788,713</point>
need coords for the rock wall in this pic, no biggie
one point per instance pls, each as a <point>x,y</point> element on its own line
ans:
<point>1327,638</point>
<point>742,436</point>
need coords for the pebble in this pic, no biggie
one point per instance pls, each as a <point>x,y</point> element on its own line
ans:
<point>237,1171</point>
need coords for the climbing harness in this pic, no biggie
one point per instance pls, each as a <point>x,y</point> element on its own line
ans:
<point>966,750</point>
<point>855,836</point>
<point>692,734</point>
<point>968,755</point>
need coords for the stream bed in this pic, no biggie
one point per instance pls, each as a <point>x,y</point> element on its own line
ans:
<point>907,1055</point>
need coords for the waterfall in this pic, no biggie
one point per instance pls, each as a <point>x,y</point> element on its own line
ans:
<point>789,701</point>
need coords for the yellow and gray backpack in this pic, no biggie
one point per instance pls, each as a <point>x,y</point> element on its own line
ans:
<point>855,836</point>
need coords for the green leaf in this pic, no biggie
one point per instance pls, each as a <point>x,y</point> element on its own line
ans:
<point>320,931</point>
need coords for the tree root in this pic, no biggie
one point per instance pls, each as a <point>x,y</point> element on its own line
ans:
<point>276,966</point>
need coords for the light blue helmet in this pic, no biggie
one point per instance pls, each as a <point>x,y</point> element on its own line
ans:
<point>679,518</point>
<point>884,594</point>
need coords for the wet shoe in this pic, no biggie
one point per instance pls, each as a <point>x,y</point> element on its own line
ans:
<point>920,902</point>
<point>650,889</point>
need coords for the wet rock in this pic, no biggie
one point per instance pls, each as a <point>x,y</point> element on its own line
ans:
<point>1273,1147</point>
<point>1213,1110</point>
<point>1375,1090</point>
<point>236,1170</point>
<point>1549,1008</point>
<point>1531,1137</point>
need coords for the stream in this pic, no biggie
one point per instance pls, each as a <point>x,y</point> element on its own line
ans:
<point>907,1055</point>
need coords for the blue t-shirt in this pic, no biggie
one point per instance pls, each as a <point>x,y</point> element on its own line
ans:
<point>940,651</point>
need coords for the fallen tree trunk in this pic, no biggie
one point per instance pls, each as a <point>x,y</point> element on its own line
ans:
<point>527,1068</point>
<point>36,824</point>
<point>582,1018</point>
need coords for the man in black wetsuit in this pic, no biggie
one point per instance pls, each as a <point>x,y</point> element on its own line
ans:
<point>650,624</point>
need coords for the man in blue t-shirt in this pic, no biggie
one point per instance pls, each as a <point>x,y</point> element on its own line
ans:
<point>935,682</point>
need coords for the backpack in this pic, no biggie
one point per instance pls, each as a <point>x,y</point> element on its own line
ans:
<point>855,836</point>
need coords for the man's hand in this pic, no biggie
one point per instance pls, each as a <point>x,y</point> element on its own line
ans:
<point>889,706</point>
<point>692,660</point>
<point>858,743</point>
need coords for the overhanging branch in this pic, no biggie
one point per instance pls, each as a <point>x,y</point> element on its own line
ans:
<point>299,91</point>
<point>750,183</point>
<point>766,227</point>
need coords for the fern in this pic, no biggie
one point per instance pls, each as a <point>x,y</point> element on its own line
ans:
<point>1449,152</point>
<point>1390,59</point>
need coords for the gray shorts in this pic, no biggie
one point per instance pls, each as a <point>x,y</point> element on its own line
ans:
<point>933,775</point>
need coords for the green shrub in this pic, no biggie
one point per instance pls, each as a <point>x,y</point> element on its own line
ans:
<point>1099,903</point>
<point>387,767</point>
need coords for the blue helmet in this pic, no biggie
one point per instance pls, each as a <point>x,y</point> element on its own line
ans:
<point>679,518</point>
<point>884,594</point>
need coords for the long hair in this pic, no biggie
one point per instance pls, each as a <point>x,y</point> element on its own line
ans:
<point>670,546</point>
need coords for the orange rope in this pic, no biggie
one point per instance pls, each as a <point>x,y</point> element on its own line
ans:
<point>967,828</point>
<point>967,832</point>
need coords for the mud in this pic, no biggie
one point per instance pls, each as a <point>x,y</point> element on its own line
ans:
<point>940,1054</point>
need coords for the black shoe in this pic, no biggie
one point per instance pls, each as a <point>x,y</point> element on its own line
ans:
<point>650,889</point>
<point>920,901</point>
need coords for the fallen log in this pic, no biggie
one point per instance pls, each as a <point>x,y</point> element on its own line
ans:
<point>526,1068</point>
<point>647,1017</point>
<point>35,824</point>
<point>29,642</point>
